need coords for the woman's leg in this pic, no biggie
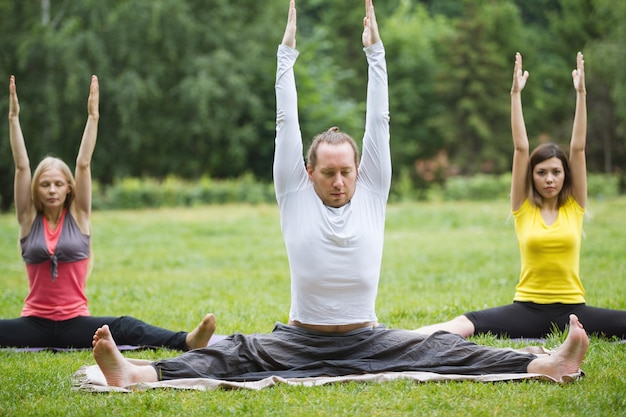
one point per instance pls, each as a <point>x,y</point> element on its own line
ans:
<point>460,325</point>
<point>512,320</point>
<point>520,319</point>
<point>26,332</point>
<point>78,333</point>
<point>601,321</point>
<point>131,331</point>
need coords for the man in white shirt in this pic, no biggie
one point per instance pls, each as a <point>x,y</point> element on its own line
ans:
<point>332,216</point>
<point>333,210</point>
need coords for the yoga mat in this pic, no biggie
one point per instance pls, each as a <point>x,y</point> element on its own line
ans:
<point>89,378</point>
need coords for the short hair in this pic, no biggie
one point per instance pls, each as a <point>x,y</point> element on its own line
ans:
<point>332,136</point>
<point>541,153</point>
<point>46,164</point>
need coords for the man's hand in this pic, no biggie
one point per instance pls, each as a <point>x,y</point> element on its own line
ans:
<point>289,38</point>
<point>370,26</point>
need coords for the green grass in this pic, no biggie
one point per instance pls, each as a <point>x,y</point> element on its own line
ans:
<point>170,266</point>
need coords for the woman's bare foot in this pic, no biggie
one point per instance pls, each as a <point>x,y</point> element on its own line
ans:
<point>568,357</point>
<point>116,369</point>
<point>200,336</point>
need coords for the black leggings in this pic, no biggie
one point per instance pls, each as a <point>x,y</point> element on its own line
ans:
<point>78,333</point>
<point>526,319</point>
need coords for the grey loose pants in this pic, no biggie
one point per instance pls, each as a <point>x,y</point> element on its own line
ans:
<point>290,351</point>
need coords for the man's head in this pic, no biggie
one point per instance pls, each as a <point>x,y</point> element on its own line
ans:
<point>332,164</point>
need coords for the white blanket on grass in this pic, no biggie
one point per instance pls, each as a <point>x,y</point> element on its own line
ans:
<point>91,379</point>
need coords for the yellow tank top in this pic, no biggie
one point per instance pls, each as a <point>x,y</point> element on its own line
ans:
<point>550,255</point>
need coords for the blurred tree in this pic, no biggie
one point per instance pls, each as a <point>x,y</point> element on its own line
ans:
<point>187,86</point>
<point>198,106</point>
<point>52,81</point>
<point>473,86</point>
<point>597,28</point>
<point>605,62</point>
<point>411,39</point>
<point>331,72</point>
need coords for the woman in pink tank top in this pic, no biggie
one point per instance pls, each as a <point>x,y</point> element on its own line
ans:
<point>53,211</point>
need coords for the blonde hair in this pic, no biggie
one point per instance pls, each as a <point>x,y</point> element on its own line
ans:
<point>46,164</point>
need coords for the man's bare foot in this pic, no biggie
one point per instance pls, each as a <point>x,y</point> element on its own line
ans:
<point>116,369</point>
<point>200,336</point>
<point>568,357</point>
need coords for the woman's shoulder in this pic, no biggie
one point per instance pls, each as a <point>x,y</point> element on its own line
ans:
<point>572,205</point>
<point>525,207</point>
<point>26,221</point>
<point>82,221</point>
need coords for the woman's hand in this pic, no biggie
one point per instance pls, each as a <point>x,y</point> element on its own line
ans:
<point>578,75</point>
<point>519,76</point>
<point>93,101</point>
<point>14,105</point>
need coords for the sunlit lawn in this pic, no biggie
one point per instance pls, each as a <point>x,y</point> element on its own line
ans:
<point>169,267</point>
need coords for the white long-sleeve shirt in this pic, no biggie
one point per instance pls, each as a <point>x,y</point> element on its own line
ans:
<point>335,254</point>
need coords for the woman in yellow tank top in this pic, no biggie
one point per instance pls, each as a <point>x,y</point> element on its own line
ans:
<point>548,198</point>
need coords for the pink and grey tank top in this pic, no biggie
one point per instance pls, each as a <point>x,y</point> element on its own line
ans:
<point>57,263</point>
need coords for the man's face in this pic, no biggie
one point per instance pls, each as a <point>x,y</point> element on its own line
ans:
<point>334,176</point>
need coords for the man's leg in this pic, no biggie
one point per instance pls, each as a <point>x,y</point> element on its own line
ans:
<point>116,369</point>
<point>568,357</point>
<point>442,352</point>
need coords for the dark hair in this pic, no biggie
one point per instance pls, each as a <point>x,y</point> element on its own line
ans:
<point>332,136</point>
<point>541,153</point>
